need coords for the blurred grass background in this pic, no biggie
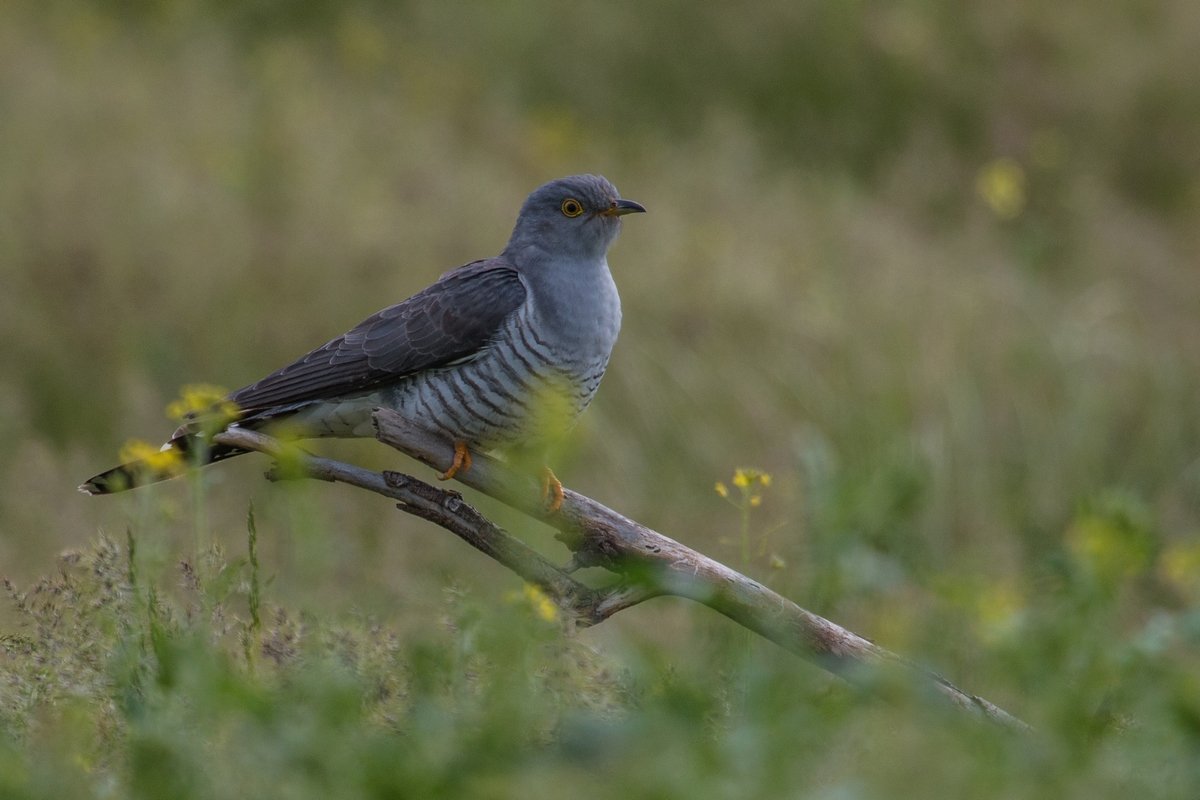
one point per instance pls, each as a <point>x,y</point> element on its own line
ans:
<point>933,266</point>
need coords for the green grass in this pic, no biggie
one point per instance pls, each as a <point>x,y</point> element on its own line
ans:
<point>114,687</point>
<point>932,268</point>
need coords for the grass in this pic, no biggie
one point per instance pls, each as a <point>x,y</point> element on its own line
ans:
<point>931,269</point>
<point>114,686</point>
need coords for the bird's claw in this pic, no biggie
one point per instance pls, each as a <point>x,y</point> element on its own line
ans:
<point>461,462</point>
<point>552,492</point>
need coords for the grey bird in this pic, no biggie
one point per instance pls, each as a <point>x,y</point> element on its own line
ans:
<point>500,353</point>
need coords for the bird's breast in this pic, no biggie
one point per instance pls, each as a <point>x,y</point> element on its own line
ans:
<point>578,310</point>
<point>533,381</point>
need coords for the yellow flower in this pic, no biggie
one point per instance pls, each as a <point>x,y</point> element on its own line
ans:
<point>536,600</point>
<point>745,477</point>
<point>144,455</point>
<point>1107,546</point>
<point>755,500</point>
<point>1001,184</point>
<point>201,399</point>
<point>542,605</point>
<point>721,489</point>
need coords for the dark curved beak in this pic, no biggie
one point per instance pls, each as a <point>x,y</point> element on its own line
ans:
<point>620,208</point>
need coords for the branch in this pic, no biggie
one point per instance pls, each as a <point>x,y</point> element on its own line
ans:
<point>446,508</point>
<point>650,563</point>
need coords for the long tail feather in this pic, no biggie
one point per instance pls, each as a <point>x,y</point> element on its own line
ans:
<point>179,452</point>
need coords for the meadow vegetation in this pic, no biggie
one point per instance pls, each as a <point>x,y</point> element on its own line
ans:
<point>933,268</point>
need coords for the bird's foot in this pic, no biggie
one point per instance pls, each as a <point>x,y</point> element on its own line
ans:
<point>552,491</point>
<point>461,462</point>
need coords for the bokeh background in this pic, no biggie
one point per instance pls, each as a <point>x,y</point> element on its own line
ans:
<point>933,267</point>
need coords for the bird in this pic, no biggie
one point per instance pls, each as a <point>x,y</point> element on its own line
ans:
<point>499,354</point>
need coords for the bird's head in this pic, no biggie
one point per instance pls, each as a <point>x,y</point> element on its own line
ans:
<point>576,217</point>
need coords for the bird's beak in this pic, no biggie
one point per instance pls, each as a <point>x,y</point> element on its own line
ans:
<point>620,208</point>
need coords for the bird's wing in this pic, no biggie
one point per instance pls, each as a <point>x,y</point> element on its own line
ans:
<point>454,319</point>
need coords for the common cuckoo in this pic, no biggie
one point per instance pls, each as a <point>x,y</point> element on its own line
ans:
<point>496,354</point>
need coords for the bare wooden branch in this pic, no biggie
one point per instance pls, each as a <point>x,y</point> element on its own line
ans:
<point>441,506</point>
<point>650,563</point>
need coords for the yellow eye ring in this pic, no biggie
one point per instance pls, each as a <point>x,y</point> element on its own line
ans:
<point>571,207</point>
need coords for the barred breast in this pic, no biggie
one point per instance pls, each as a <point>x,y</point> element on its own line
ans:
<point>524,389</point>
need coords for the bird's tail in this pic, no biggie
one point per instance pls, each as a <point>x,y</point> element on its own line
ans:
<point>145,465</point>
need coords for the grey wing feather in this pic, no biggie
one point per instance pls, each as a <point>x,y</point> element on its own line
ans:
<point>452,320</point>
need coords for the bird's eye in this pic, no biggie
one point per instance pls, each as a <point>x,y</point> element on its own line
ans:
<point>572,207</point>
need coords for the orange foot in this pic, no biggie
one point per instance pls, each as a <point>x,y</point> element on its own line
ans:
<point>552,491</point>
<point>461,462</point>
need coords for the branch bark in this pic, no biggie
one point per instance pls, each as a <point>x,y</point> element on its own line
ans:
<point>649,563</point>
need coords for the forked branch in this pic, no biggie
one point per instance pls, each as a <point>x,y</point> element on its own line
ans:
<point>649,563</point>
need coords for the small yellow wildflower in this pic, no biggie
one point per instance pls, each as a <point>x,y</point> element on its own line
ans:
<point>143,454</point>
<point>750,484</point>
<point>1001,184</point>
<point>1106,547</point>
<point>536,600</point>
<point>542,604</point>
<point>745,477</point>
<point>747,480</point>
<point>202,399</point>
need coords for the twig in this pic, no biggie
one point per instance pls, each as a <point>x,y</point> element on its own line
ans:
<point>444,507</point>
<point>650,563</point>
